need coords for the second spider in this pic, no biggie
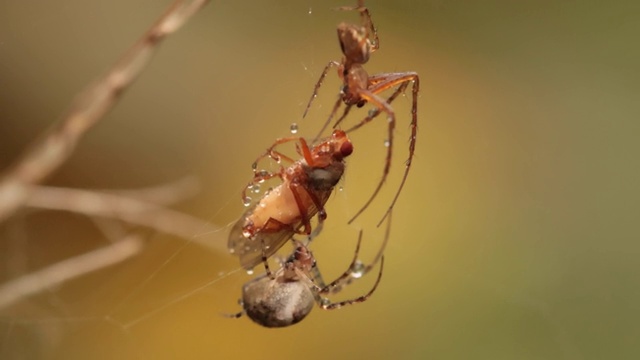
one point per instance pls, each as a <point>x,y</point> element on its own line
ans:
<point>357,42</point>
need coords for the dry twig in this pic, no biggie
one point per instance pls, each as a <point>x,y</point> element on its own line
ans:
<point>164,194</point>
<point>108,205</point>
<point>55,146</point>
<point>56,274</point>
<point>58,143</point>
<point>127,209</point>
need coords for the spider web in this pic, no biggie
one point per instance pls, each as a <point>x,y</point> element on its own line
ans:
<point>490,255</point>
<point>177,290</point>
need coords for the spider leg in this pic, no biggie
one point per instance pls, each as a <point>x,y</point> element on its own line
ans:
<point>381,83</point>
<point>316,231</point>
<point>259,177</point>
<point>367,21</point>
<point>234,316</point>
<point>326,304</point>
<point>317,283</point>
<point>265,261</point>
<point>275,154</point>
<point>383,106</point>
<point>313,278</point>
<point>331,116</point>
<point>344,115</point>
<point>331,64</point>
<point>328,288</point>
<point>375,112</point>
<point>355,270</point>
<point>263,175</point>
<point>412,139</point>
<point>316,276</point>
<point>366,269</point>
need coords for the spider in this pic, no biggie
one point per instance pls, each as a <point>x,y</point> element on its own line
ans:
<point>359,88</point>
<point>287,297</point>
<point>288,208</point>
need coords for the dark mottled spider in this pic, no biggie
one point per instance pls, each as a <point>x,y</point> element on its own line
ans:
<point>287,296</point>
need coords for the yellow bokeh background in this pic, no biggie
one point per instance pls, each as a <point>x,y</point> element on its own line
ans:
<point>515,236</point>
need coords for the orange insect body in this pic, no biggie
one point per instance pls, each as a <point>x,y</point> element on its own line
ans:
<point>274,205</point>
<point>288,208</point>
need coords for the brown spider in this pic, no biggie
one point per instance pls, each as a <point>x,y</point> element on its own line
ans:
<point>288,208</point>
<point>357,44</point>
<point>287,297</point>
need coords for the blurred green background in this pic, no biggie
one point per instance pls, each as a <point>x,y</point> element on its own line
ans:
<point>516,235</point>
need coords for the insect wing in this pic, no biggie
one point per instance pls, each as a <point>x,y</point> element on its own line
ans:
<point>250,249</point>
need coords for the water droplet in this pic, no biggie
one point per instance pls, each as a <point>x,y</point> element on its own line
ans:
<point>255,189</point>
<point>325,301</point>
<point>246,234</point>
<point>387,143</point>
<point>340,188</point>
<point>293,128</point>
<point>357,270</point>
<point>372,113</point>
<point>260,176</point>
<point>310,11</point>
<point>246,201</point>
<point>254,165</point>
<point>249,272</point>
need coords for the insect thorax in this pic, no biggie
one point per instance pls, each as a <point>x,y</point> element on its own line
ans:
<point>324,179</point>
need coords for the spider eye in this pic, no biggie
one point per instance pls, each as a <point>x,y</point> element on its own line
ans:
<point>346,148</point>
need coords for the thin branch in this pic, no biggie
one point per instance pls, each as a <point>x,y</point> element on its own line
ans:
<point>59,142</point>
<point>127,209</point>
<point>56,274</point>
<point>164,194</point>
